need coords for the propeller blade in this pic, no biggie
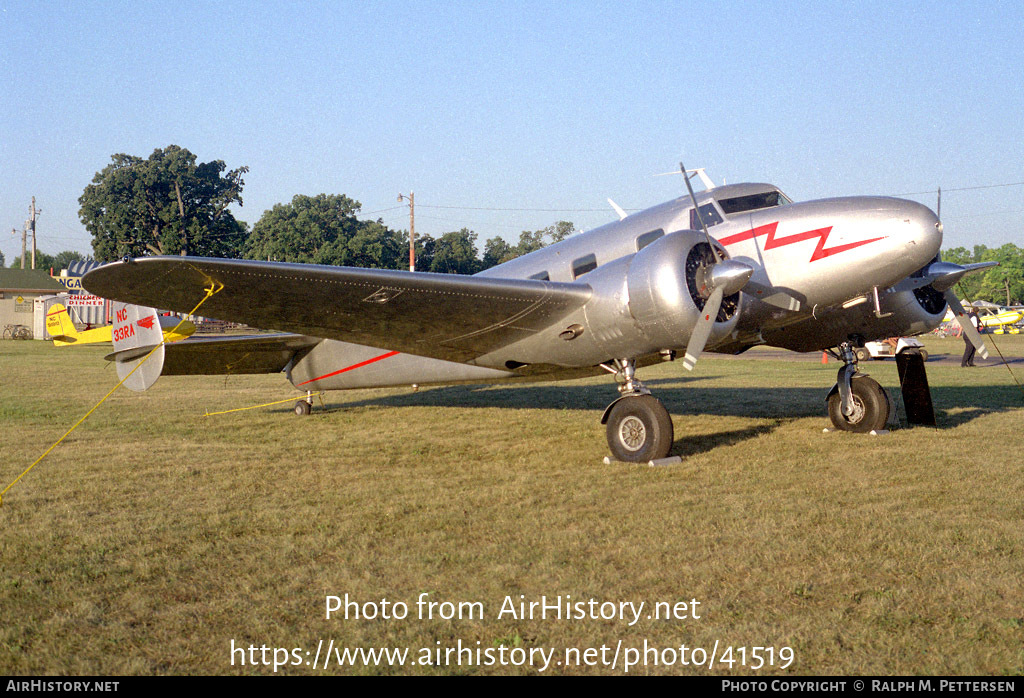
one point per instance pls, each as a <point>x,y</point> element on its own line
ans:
<point>696,211</point>
<point>702,330</point>
<point>966,324</point>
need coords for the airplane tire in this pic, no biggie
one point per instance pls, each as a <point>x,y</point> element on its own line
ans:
<point>302,408</point>
<point>870,408</point>
<point>862,354</point>
<point>639,429</point>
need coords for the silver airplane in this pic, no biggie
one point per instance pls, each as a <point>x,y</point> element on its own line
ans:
<point>723,270</point>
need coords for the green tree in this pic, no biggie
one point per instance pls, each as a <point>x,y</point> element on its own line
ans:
<point>497,251</point>
<point>425,245</point>
<point>61,260</point>
<point>996,283</point>
<point>166,204</point>
<point>323,229</point>
<point>456,253</point>
<point>43,261</point>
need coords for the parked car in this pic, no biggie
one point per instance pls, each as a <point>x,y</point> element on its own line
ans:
<point>889,348</point>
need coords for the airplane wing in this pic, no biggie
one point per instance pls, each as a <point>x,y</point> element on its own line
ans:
<point>444,316</point>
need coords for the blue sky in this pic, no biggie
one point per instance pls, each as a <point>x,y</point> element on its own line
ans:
<point>518,105</point>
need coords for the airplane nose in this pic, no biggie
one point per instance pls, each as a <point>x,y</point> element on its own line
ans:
<point>929,228</point>
<point>924,237</point>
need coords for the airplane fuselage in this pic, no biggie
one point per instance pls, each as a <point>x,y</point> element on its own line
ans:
<point>813,256</point>
<point>816,266</point>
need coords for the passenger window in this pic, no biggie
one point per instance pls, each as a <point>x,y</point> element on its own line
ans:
<point>708,213</point>
<point>647,238</point>
<point>584,264</point>
<point>541,276</point>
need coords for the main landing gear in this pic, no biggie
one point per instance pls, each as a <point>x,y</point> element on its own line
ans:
<point>638,426</point>
<point>304,407</point>
<point>856,402</point>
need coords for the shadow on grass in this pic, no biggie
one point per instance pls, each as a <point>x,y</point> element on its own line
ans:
<point>694,445</point>
<point>683,396</point>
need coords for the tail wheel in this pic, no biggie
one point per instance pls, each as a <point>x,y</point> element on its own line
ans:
<point>870,408</point>
<point>862,354</point>
<point>639,429</point>
<point>302,408</point>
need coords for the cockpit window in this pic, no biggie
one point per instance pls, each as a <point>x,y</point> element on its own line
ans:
<point>708,213</point>
<point>753,202</point>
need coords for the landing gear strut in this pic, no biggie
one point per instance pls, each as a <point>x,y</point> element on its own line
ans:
<point>638,426</point>
<point>856,402</point>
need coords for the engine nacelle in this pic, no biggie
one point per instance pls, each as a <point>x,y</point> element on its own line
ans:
<point>907,312</point>
<point>642,303</point>
<point>656,303</point>
<point>913,312</point>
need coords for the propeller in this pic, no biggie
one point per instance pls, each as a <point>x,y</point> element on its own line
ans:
<point>942,276</point>
<point>965,324</point>
<point>723,277</point>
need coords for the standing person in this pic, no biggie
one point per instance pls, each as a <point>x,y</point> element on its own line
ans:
<point>968,358</point>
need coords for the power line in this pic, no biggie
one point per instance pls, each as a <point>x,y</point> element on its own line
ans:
<point>601,210</point>
<point>544,210</point>
<point>983,186</point>
<point>382,210</point>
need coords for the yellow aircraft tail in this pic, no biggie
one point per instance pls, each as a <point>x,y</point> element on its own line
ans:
<point>60,327</point>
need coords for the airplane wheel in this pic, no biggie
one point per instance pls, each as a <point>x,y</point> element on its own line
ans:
<point>870,408</point>
<point>639,429</point>
<point>862,354</point>
<point>924,355</point>
<point>302,408</point>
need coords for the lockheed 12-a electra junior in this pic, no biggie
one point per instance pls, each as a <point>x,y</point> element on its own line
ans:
<point>730,268</point>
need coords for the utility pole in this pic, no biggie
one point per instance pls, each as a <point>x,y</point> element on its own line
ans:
<point>412,228</point>
<point>32,223</point>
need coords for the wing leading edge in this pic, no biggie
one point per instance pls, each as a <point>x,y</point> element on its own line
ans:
<point>444,316</point>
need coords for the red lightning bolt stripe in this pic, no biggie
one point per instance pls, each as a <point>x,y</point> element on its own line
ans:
<point>146,322</point>
<point>352,367</point>
<point>820,251</point>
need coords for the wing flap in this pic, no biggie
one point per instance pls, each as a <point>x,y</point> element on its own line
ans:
<point>234,355</point>
<point>444,316</point>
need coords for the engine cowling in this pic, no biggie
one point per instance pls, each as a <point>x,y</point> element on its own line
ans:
<point>665,281</point>
<point>913,312</point>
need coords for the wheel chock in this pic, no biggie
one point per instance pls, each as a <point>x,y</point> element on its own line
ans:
<point>671,460</point>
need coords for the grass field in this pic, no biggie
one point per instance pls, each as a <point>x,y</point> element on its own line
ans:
<point>154,537</point>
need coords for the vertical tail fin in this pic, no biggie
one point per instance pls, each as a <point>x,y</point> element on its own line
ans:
<point>136,333</point>
<point>60,327</point>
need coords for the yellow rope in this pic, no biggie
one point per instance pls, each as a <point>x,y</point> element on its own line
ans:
<point>213,289</point>
<point>253,407</point>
